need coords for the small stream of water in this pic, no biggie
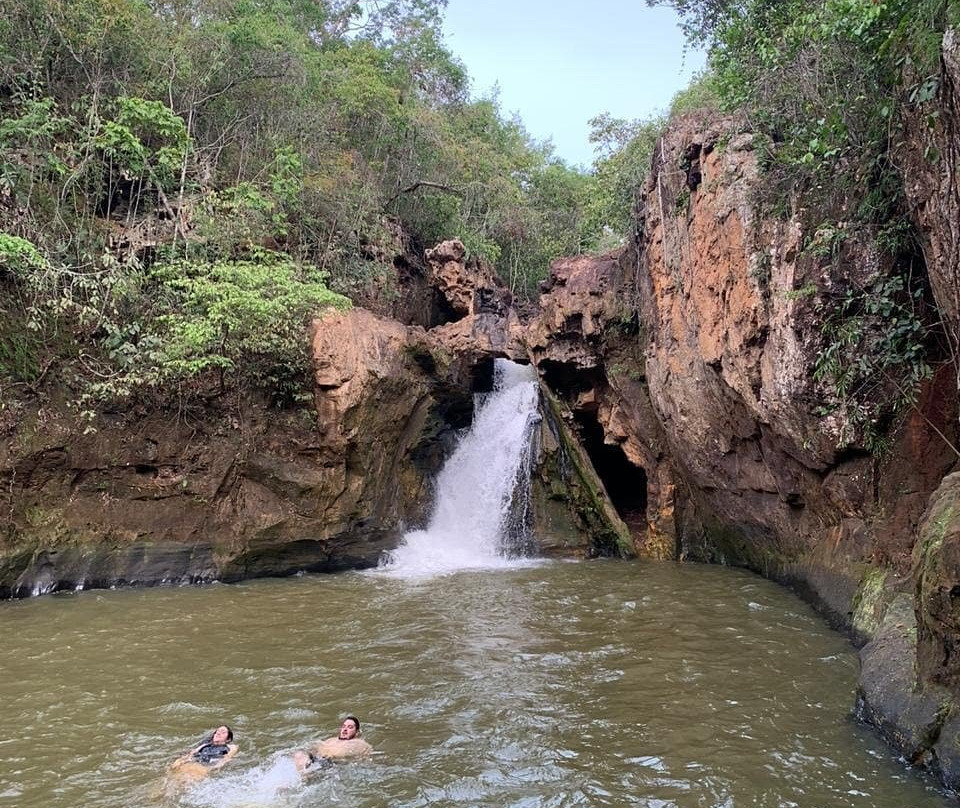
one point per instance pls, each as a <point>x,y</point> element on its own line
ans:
<point>482,492</point>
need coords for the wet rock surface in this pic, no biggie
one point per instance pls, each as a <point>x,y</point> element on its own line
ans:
<point>937,582</point>
<point>710,391</point>
<point>232,489</point>
<point>210,494</point>
<point>909,717</point>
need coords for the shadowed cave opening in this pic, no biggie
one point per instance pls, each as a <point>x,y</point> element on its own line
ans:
<point>568,381</point>
<point>625,483</point>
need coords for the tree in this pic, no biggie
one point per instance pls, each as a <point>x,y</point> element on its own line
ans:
<point>201,135</point>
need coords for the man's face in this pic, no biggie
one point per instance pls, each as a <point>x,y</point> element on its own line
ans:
<point>348,730</point>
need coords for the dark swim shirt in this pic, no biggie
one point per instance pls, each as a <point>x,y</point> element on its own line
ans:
<point>211,752</point>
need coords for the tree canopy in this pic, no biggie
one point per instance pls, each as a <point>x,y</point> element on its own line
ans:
<point>151,148</point>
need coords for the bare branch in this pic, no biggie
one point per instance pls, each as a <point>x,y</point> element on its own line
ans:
<point>437,186</point>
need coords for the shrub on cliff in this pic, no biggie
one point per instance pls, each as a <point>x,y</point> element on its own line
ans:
<point>824,79</point>
<point>134,131</point>
<point>826,83</point>
<point>217,325</point>
<point>240,317</point>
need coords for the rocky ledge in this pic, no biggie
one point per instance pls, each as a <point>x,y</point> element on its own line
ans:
<point>231,488</point>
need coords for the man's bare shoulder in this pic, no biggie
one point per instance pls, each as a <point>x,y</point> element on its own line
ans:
<point>335,748</point>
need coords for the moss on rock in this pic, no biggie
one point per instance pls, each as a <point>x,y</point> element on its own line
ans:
<point>571,505</point>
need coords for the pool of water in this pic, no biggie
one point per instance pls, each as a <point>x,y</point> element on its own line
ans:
<point>555,685</point>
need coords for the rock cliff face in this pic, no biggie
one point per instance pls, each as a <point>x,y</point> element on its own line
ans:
<point>930,152</point>
<point>687,363</point>
<point>930,155</point>
<point>587,347</point>
<point>711,430</point>
<point>777,474</point>
<point>233,489</point>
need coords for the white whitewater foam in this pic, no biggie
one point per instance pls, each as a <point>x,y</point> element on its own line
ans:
<point>268,784</point>
<point>477,486</point>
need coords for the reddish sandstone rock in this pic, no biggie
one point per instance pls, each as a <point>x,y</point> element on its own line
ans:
<point>585,344</point>
<point>581,297</point>
<point>732,308</point>
<point>465,286</point>
<point>447,262</point>
<point>234,488</point>
<point>712,393</point>
<point>372,401</point>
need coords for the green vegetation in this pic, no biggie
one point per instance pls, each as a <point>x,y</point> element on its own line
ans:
<point>826,84</point>
<point>874,356</point>
<point>824,79</point>
<point>178,178</point>
<point>624,149</point>
<point>870,601</point>
<point>624,152</point>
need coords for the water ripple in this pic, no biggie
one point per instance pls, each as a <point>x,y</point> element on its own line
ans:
<point>559,686</point>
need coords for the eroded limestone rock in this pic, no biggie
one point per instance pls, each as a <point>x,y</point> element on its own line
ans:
<point>465,286</point>
<point>587,348</point>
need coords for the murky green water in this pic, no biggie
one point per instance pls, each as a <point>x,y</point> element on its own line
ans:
<point>594,684</point>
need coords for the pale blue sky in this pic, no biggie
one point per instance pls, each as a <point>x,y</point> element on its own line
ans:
<point>560,62</point>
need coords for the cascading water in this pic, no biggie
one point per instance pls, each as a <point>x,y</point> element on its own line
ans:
<point>481,513</point>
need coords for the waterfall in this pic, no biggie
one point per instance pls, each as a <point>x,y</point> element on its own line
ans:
<point>481,510</point>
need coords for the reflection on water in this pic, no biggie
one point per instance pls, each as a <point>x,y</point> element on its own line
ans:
<point>594,684</point>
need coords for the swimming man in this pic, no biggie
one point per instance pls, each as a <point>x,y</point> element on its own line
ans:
<point>346,744</point>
